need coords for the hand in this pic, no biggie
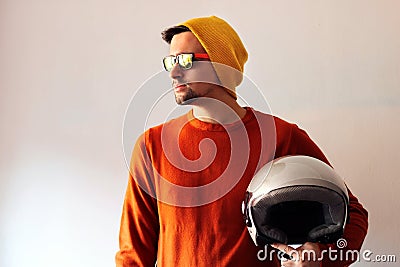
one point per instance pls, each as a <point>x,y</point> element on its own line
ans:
<point>305,256</point>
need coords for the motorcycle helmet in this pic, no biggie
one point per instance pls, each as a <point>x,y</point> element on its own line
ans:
<point>295,199</point>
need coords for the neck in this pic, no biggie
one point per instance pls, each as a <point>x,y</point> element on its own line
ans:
<point>222,111</point>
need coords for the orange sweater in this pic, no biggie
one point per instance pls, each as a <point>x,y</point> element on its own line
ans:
<point>196,219</point>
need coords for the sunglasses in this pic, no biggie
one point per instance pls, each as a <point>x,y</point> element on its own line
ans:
<point>185,61</point>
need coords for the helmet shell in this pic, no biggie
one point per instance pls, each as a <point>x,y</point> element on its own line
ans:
<point>295,199</point>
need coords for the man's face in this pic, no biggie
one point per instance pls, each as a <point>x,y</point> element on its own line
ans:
<point>200,80</point>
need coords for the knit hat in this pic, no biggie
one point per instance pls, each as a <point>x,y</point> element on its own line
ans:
<point>223,46</point>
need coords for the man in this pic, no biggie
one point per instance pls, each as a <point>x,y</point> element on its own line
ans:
<point>189,175</point>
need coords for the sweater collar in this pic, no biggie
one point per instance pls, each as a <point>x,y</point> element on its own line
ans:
<point>207,126</point>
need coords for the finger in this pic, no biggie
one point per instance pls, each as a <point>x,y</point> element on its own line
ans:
<point>288,251</point>
<point>282,247</point>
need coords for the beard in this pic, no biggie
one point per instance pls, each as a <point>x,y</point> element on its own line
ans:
<point>187,97</point>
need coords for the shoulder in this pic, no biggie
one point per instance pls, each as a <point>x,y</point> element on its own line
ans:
<point>281,126</point>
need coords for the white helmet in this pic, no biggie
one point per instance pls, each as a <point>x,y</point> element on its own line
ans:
<point>295,199</point>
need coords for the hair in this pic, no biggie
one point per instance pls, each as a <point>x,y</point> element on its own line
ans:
<point>168,33</point>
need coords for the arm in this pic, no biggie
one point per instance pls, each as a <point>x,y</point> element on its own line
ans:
<point>139,227</point>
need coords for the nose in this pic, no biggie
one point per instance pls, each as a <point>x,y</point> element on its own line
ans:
<point>176,72</point>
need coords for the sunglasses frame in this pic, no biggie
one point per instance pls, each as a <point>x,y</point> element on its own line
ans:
<point>195,57</point>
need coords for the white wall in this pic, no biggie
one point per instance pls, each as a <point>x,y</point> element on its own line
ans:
<point>69,68</point>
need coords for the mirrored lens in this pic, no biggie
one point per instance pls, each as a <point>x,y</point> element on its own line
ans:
<point>169,62</point>
<point>185,60</point>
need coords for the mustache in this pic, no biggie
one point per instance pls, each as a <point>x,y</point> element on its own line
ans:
<point>179,82</point>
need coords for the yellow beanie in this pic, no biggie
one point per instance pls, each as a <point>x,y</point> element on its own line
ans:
<point>223,46</point>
